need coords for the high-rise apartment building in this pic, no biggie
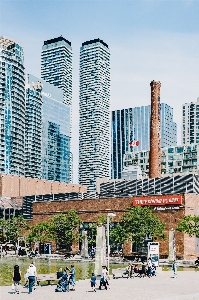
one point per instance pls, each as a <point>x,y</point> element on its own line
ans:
<point>177,159</point>
<point>190,123</point>
<point>56,68</point>
<point>47,131</point>
<point>94,126</point>
<point>56,65</point>
<point>133,124</point>
<point>33,129</point>
<point>12,107</point>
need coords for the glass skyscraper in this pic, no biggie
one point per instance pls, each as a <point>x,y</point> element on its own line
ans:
<point>48,135</point>
<point>133,124</point>
<point>12,107</point>
<point>56,68</point>
<point>94,100</point>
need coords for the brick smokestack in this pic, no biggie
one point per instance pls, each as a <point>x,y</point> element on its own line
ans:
<point>155,148</point>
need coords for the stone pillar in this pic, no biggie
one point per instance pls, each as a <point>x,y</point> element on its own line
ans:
<point>84,248</point>
<point>155,145</point>
<point>100,255</point>
<point>172,245</point>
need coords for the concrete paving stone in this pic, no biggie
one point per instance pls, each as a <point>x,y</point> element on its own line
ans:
<point>163,286</point>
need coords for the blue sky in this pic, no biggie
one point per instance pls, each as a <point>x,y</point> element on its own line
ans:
<point>147,39</point>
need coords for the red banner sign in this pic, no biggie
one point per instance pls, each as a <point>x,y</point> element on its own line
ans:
<point>157,200</point>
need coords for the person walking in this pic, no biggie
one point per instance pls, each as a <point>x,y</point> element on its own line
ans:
<point>149,263</point>
<point>107,278</point>
<point>16,278</point>
<point>174,268</point>
<point>103,280</point>
<point>93,282</point>
<point>32,273</point>
<point>72,277</point>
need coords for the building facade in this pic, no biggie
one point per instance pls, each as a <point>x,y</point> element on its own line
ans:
<point>190,123</point>
<point>33,130</point>
<point>56,68</point>
<point>178,159</point>
<point>133,124</point>
<point>55,140</point>
<point>56,65</point>
<point>12,107</point>
<point>47,132</point>
<point>170,208</point>
<point>94,102</point>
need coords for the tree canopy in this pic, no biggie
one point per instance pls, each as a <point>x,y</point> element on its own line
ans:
<point>13,228</point>
<point>40,232</point>
<point>65,227</point>
<point>136,225</point>
<point>190,225</point>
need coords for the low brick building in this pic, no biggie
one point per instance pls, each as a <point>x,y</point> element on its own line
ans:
<point>170,208</point>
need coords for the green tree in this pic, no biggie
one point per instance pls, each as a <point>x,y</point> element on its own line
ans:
<point>14,228</point>
<point>3,237</point>
<point>190,225</point>
<point>136,224</point>
<point>41,232</point>
<point>65,228</point>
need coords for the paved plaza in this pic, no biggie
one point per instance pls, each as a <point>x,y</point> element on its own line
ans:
<point>163,286</point>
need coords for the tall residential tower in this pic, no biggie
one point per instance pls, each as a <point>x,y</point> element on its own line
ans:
<point>56,65</point>
<point>56,68</point>
<point>12,107</point>
<point>94,126</point>
<point>190,123</point>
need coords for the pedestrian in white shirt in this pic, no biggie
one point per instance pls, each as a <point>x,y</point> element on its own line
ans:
<point>32,273</point>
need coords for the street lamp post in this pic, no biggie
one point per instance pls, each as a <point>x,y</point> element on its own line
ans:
<point>108,245</point>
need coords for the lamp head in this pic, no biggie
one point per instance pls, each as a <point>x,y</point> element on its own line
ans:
<point>111,215</point>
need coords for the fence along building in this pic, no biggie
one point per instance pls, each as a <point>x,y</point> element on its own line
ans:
<point>151,186</point>
<point>12,107</point>
<point>94,107</point>
<point>133,124</point>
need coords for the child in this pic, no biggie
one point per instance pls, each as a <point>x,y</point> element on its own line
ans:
<point>93,282</point>
<point>153,270</point>
<point>174,268</point>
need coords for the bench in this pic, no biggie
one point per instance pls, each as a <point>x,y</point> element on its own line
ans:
<point>118,273</point>
<point>46,277</point>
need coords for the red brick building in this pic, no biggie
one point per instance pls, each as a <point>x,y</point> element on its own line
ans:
<point>170,208</point>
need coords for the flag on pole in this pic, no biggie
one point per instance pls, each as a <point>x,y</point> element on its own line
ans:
<point>135,143</point>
